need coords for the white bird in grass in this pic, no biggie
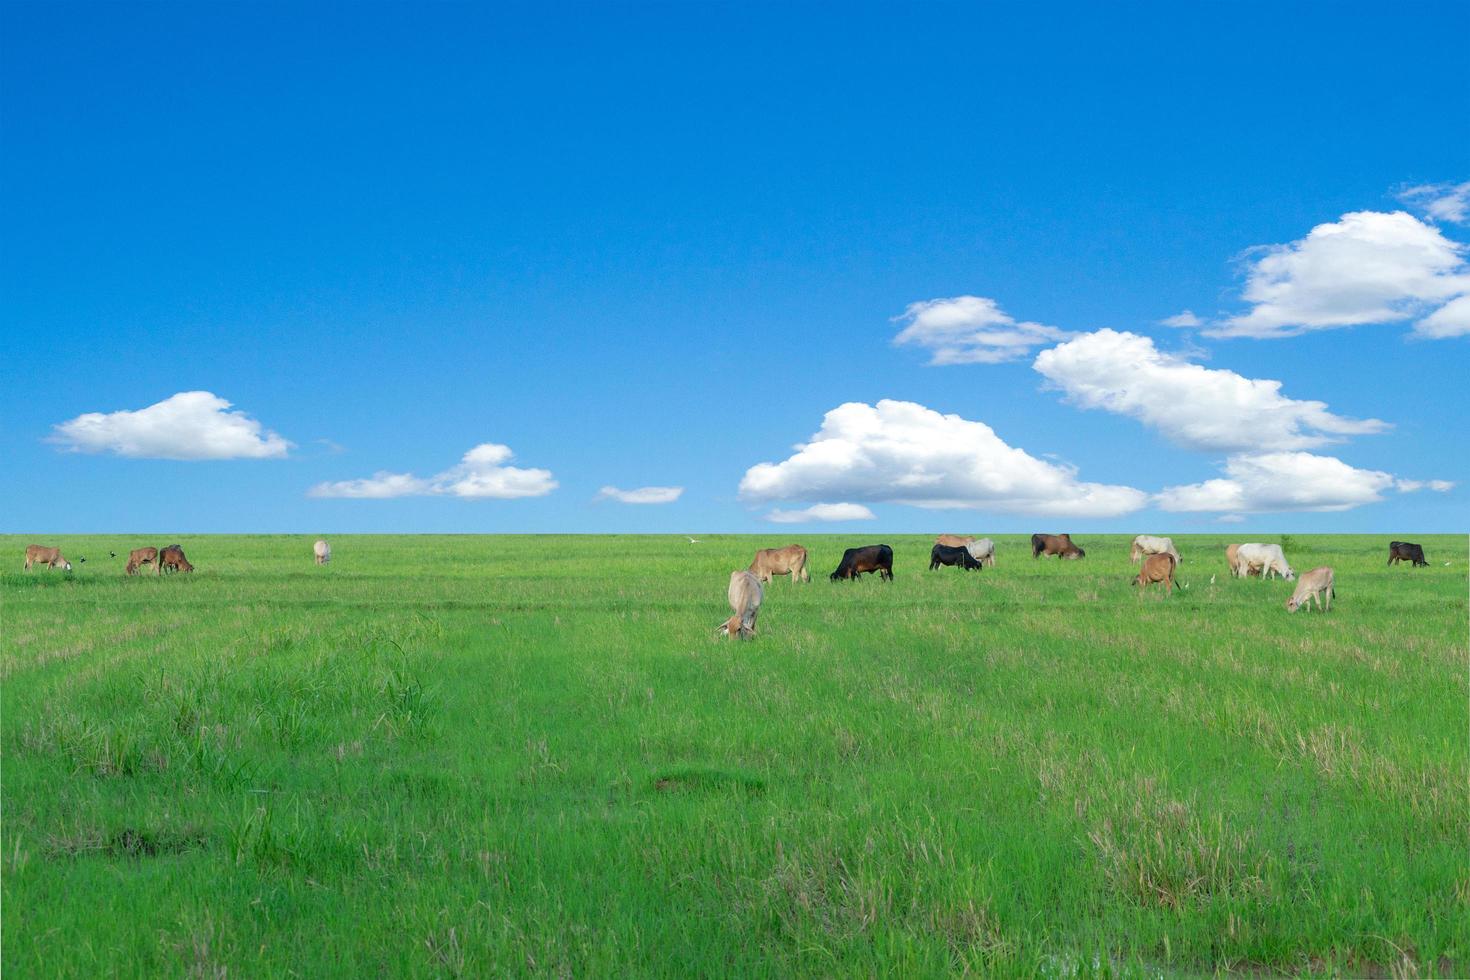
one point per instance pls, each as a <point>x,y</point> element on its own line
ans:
<point>692,540</point>
<point>1212,580</point>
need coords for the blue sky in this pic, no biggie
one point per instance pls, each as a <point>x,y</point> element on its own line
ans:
<point>658,246</point>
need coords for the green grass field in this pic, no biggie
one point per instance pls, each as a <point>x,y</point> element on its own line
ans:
<point>489,755</point>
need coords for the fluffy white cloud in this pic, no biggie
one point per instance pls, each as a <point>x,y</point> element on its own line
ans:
<point>480,474</point>
<point>1450,320</point>
<point>1442,202</point>
<point>190,425</point>
<point>902,452</point>
<point>1256,482</point>
<point>642,495</point>
<point>1185,318</point>
<point>822,512</point>
<point>970,330</point>
<point>1199,408</point>
<point>1366,267</point>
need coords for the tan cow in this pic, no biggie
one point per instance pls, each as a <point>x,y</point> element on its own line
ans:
<point>1232,558</point>
<point>322,551</point>
<point>745,594</point>
<point>1313,585</point>
<point>50,557</point>
<point>172,558</point>
<point>953,540</point>
<point>1157,568</point>
<point>790,560</point>
<point>142,556</point>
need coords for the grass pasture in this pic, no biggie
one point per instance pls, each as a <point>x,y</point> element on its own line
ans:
<point>492,755</point>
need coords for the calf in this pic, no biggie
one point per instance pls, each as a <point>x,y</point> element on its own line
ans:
<point>141,556</point>
<point>172,558</point>
<point>1156,569</point>
<point>322,551</point>
<point>1055,544</point>
<point>1232,558</point>
<point>50,557</point>
<point>943,555</point>
<point>1313,585</point>
<point>745,594</point>
<point>1406,551</point>
<point>873,558</point>
<point>790,560</point>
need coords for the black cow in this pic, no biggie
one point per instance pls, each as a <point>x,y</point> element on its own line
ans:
<point>945,555</point>
<point>1406,551</point>
<point>874,558</point>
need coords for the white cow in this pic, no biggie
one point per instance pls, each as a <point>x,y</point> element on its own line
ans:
<point>982,551</point>
<point>1266,558</point>
<point>1316,584</point>
<point>322,550</point>
<point>745,596</point>
<point>1146,544</point>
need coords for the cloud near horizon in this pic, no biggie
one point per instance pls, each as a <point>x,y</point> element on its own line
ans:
<point>970,330</point>
<point>191,425</point>
<point>642,495</point>
<point>821,512</point>
<point>1194,407</point>
<point>1366,267</point>
<point>902,452</point>
<point>480,475</point>
<point>1288,481</point>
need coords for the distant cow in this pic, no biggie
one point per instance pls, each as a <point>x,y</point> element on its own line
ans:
<point>141,556</point>
<point>172,559</point>
<point>1055,544</point>
<point>322,551</point>
<point>953,540</point>
<point>790,560</point>
<point>873,558</point>
<point>745,594</point>
<point>1146,544</point>
<point>1268,559</point>
<point>1316,584</point>
<point>1232,558</point>
<point>50,557</point>
<point>982,551</point>
<point>944,555</point>
<point>1157,568</point>
<point>1406,551</point>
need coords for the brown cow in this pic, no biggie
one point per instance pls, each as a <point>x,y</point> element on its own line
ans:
<point>953,540</point>
<point>1232,558</point>
<point>50,557</point>
<point>790,560</point>
<point>142,556</point>
<point>1157,568</point>
<point>172,558</point>
<point>1055,544</point>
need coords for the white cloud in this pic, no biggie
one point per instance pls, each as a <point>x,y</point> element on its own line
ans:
<point>1230,519</point>
<point>1442,202</point>
<point>1450,320</point>
<point>971,330</point>
<point>480,474</point>
<point>822,512</point>
<point>190,425</point>
<point>1411,486</point>
<point>1206,409</point>
<point>1366,267</point>
<point>1257,482</point>
<point>902,452</point>
<point>1185,318</point>
<point>642,495</point>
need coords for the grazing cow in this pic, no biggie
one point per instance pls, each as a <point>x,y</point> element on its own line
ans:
<point>953,540</point>
<point>1055,544</point>
<point>790,560</point>
<point>1316,584</point>
<point>1266,558</point>
<point>982,551</point>
<point>745,596</point>
<point>172,558</point>
<point>141,556</point>
<point>322,551</point>
<point>1406,551</point>
<point>1147,544</point>
<point>1157,568</point>
<point>873,558</point>
<point>50,557</point>
<point>1232,558</point>
<point>943,555</point>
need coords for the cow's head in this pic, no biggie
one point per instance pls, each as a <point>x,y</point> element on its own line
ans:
<point>1074,554</point>
<point>1292,604</point>
<point>65,565</point>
